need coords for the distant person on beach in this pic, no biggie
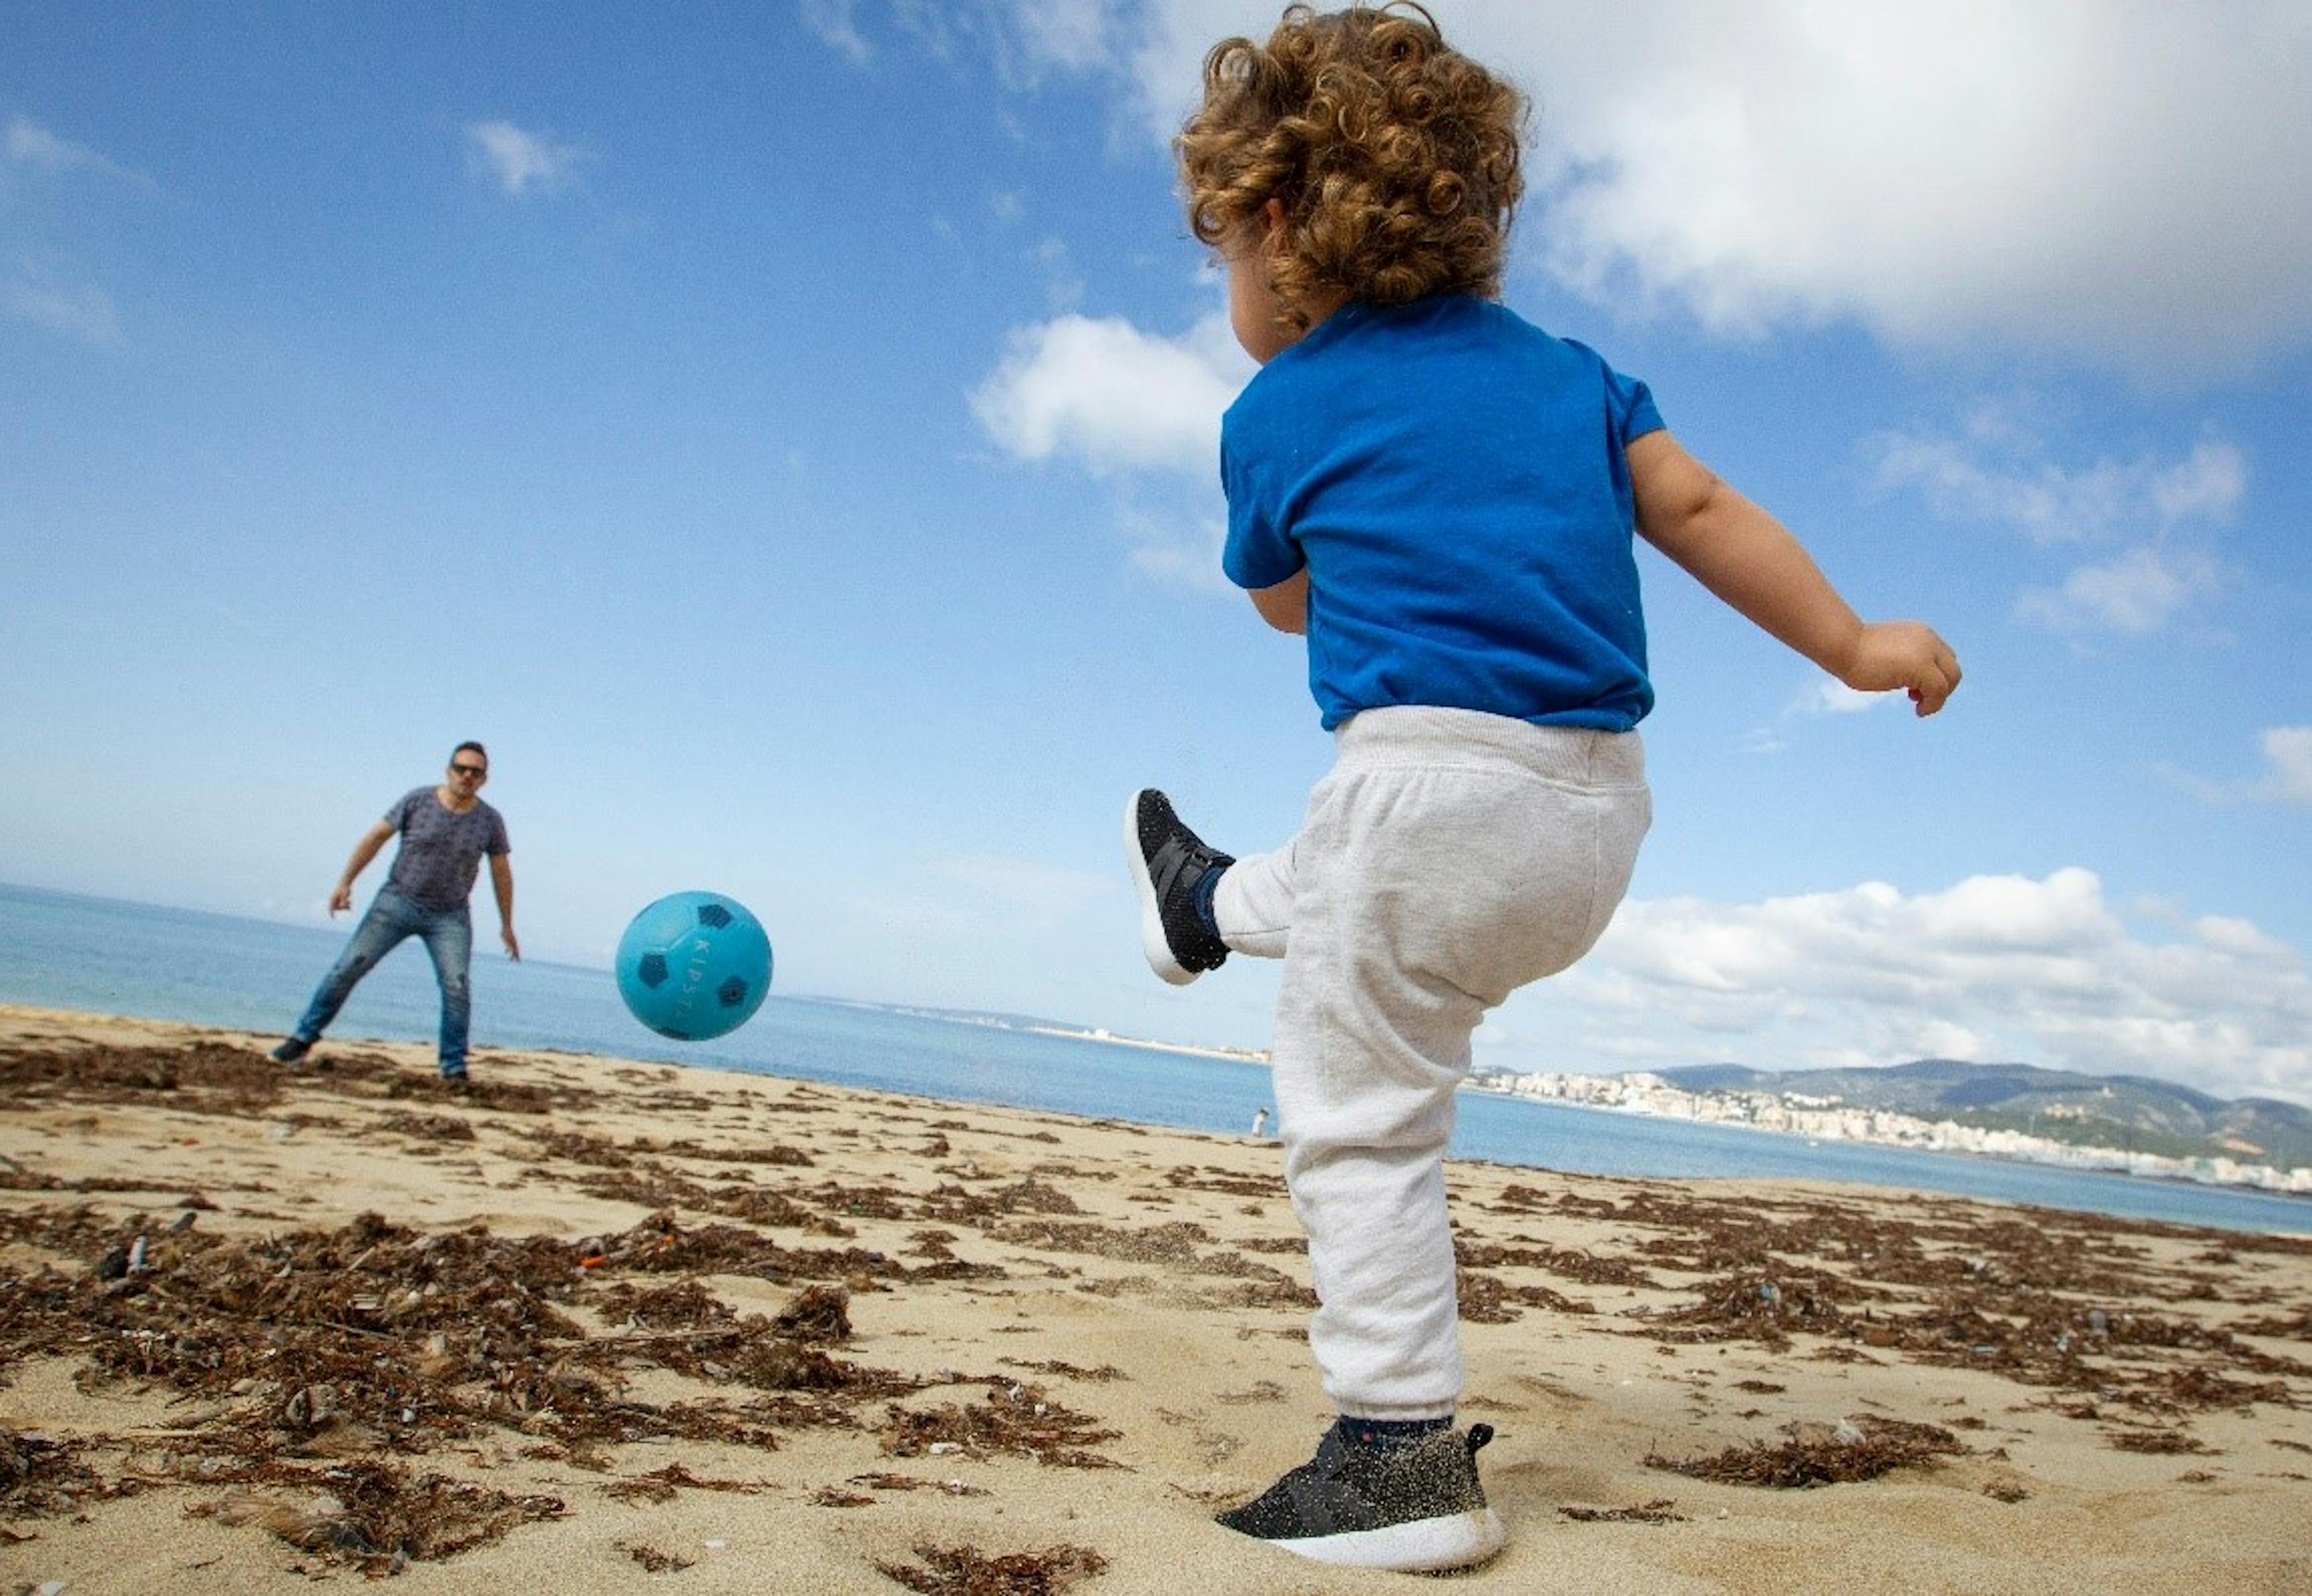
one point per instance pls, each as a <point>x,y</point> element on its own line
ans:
<point>1260,1121</point>
<point>446,831</point>
<point>1442,498</point>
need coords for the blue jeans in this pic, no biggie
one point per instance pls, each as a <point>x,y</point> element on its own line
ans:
<point>448,938</point>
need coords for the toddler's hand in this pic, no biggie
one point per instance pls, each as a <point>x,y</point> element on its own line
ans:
<point>1891,654</point>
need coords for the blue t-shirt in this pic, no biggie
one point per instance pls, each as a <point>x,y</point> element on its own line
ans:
<point>1453,478</point>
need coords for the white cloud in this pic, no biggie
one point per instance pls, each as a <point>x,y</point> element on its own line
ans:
<point>2228,934</point>
<point>1824,695</point>
<point>1996,472</point>
<point>31,289</point>
<point>1996,967</point>
<point>1164,56</point>
<point>1111,398</point>
<point>1831,697</point>
<point>84,313</point>
<point>2207,486</point>
<point>2166,512</point>
<point>1070,33</point>
<point>1064,285</point>
<point>521,161</point>
<point>835,23</point>
<point>1119,402</point>
<point>2137,593</point>
<point>2129,182</point>
<point>1179,549</point>
<point>28,144</point>
<point>943,28</point>
<point>2287,751</point>
<point>1018,37</point>
<point>2286,778</point>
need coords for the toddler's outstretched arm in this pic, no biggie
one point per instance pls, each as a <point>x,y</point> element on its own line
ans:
<point>1750,560</point>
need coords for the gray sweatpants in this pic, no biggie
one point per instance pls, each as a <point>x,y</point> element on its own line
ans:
<point>1447,859</point>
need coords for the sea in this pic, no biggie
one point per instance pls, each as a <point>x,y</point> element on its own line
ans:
<point>63,950</point>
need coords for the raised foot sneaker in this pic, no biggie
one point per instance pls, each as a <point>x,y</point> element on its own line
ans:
<point>1415,1510</point>
<point>292,1049</point>
<point>1168,861</point>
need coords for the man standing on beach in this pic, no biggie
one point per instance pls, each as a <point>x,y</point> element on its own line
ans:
<point>446,830</point>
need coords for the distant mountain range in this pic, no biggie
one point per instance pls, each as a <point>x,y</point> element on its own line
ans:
<point>2129,1111</point>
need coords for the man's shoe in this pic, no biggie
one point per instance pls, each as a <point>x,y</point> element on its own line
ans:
<point>1168,861</point>
<point>292,1049</point>
<point>1416,1509</point>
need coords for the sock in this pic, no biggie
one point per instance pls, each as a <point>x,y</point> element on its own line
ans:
<point>1200,897</point>
<point>1389,1435</point>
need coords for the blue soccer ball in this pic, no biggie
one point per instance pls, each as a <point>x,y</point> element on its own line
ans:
<point>694,965</point>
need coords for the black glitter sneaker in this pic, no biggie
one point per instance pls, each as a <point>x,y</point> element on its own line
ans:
<point>1415,1510</point>
<point>1168,860</point>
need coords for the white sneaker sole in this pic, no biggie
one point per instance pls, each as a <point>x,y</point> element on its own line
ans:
<point>1153,943</point>
<point>1426,1545</point>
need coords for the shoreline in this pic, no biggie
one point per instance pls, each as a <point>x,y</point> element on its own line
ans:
<point>1024,1027</point>
<point>2113,1163</point>
<point>1474,1147</point>
<point>600,1320</point>
<point>1812,1140</point>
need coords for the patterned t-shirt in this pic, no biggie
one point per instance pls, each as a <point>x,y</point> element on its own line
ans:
<point>440,850</point>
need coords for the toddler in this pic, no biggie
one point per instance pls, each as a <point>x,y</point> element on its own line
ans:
<point>1442,497</point>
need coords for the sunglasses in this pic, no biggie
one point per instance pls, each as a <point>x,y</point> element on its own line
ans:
<point>476,770</point>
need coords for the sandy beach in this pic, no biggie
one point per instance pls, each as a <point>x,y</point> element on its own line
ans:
<point>598,1326</point>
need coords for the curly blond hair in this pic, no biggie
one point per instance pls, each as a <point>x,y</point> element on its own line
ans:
<point>1395,157</point>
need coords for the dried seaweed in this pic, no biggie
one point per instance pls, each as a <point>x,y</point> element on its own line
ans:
<point>2024,1298</point>
<point>651,1558</point>
<point>428,1127</point>
<point>374,1339</point>
<point>819,1313</point>
<point>378,1341</point>
<point>1766,1306</point>
<point>1068,1371</point>
<point>1225,1181</point>
<point>1573,1264</point>
<point>1659,1511</point>
<point>1013,1420</point>
<point>1855,1449</point>
<point>908,1482</point>
<point>201,1078</point>
<point>2160,1443</point>
<point>372,1515</point>
<point>662,1485</point>
<point>967,1571</point>
<point>1484,1299</point>
<point>39,1477</point>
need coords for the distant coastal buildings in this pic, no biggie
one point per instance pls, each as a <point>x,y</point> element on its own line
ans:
<point>1826,1120</point>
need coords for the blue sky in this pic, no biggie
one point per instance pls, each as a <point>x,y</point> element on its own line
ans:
<point>785,434</point>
